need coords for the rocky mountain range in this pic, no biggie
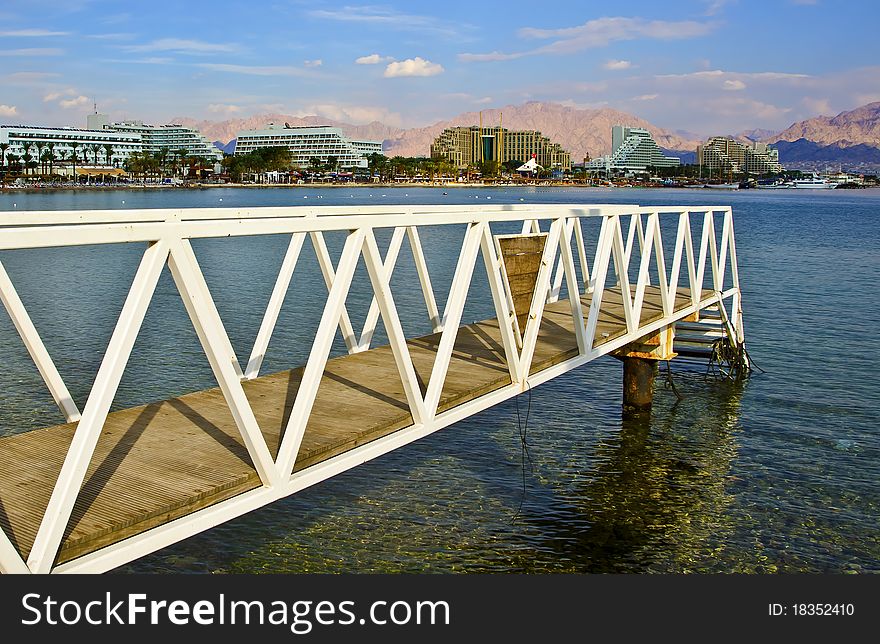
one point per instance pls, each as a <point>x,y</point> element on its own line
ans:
<point>852,136</point>
<point>580,131</point>
<point>858,126</point>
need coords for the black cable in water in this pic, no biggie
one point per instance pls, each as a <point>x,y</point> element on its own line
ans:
<point>670,383</point>
<point>523,429</point>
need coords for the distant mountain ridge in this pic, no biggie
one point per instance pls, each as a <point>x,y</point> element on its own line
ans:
<point>579,131</point>
<point>854,127</point>
<point>801,151</point>
<point>851,136</point>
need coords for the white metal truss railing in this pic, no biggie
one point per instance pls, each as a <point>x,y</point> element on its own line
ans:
<point>168,233</point>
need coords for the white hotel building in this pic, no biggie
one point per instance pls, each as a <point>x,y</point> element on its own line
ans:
<point>64,140</point>
<point>155,138</point>
<point>632,149</point>
<point>93,143</point>
<point>306,143</point>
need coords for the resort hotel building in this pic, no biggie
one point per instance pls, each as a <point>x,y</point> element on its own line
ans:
<point>307,143</point>
<point>632,149</point>
<point>464,146</point>
<point>100,144</point>
<point>91,147</point>
<point>730,156</point>
<point>171,138</point>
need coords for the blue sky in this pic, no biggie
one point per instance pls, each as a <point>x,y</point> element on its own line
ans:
<point>704,66</point>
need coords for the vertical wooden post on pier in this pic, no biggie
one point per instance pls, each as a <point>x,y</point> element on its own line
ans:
<point>640,360</point>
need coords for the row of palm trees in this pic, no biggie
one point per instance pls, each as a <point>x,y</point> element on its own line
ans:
<point>40,158</point>
<point>158,164</point>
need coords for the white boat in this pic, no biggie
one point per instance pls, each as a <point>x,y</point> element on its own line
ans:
<point>722,186</point>
<point>813,183</point>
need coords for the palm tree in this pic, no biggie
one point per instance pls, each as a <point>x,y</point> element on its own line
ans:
<point>50,150</point>
<point>39,156</point>
<point>73,154</point>
<point>108,154</point>
<point>3,148</point>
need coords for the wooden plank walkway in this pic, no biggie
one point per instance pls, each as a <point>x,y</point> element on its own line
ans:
<point>163,460</point>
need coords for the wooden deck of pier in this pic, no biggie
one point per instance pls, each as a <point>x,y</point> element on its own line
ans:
<point>163,460</point>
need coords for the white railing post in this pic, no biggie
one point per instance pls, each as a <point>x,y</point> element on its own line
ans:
<point>622,268</point>
<point>327,271</point>
<point>708,230</point>
<point>415,244</point>
<point>574,291</point>
<point>276,300</point>
<point>35,347</point>
<point>213,338</point>
<point>79,455</point>
<point>503,310</point>
<point>388,268</point>
<point>683,229</point>
<point>314,369</point>
<point>539,297</point>
<point>452,315</point>
<point>379,277</point>
<point>644,266</point>
<point>599,276</point>
<point>582,255</point>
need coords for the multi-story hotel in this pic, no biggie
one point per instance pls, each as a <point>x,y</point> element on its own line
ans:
<point>306,143</point>
<point>93,147</point>
<point>632,148</point>
<point>103,143</point>
<point>169,138</point>
<point>734,157</point>
<point>464,146</point>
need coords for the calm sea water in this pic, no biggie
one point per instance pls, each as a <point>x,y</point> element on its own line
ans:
<point>777,474</point>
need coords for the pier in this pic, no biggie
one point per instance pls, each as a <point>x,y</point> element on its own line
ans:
<point>104,488</point>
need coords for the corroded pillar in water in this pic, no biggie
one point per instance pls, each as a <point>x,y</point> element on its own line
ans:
<point>640,360</point>
<point>638,385</point>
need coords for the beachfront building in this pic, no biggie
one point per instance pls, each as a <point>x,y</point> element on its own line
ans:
<point>464,146</point>
<point>68,147</point>
<point>729,156</point>
<point>169,139</point>
<point>633,149</point>
<point>307,143</point>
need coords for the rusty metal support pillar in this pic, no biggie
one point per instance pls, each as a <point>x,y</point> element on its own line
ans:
<point>638,385</point>
<point>640,360</point>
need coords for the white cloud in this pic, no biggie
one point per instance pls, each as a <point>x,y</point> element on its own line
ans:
<point>373,59</point>
<point>715,6</point>
<point>604,31</point>
<point>483,101</point>
<point>8,110</point>
<point>598,33</point>
<point>220,108</point>
<point>734,85</point>
<point>29,78</point>
<point>74,102</point>
<point>413,67</point>
<point>645,97</point>
<point>616,65</point>
<point>35,51</point>
<point>31,33</point>
<point>357,114</point>
<point>182,46</point>
<point>267,70</point>
<point>54,96</point>
<point>490,57</point>
<point>820,106</point>
<point>313,63</point>
<point>388,18</point>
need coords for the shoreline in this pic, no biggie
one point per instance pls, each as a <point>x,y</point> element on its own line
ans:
<point>409,185</point>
